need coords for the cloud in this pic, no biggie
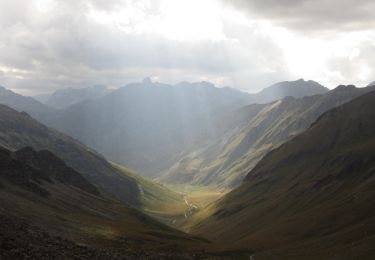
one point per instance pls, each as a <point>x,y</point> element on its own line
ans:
<point>312,15</point>
<point>53,44</point>
<point>356,68</point>
<point>58,44</point>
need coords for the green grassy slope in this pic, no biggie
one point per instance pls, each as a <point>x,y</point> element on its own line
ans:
<point>311,198</point>
<point>156,199</point>
<point>43,191</point>
<point>251,133</point>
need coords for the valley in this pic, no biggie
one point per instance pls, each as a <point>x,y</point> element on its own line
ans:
<point>248,175</point>
<point>187,130</point>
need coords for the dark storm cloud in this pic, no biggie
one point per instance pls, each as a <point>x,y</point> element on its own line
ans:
<point>312,15</point>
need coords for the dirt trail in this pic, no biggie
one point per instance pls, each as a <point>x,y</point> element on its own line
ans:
<point>191,208</point>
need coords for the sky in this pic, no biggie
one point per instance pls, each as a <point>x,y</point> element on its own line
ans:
<point>47,45</point>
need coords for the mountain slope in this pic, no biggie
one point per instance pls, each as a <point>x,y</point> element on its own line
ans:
<point>66,97</point>
<point>311,198</point>
<point>40,190</point>
<point>28,168</point>
<point>22,103</point>
<point>18,130</point>
<point>250,133</point>
<point>42,98</point>
<point>298,88</point>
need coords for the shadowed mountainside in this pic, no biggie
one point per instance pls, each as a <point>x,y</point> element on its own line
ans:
<point>42,198</point>
<point>22,103</point>
<point>311,198</point>
<point>28,168</point>
<point>19,130</point>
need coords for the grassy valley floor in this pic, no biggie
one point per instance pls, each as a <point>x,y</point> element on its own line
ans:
<point>195,198</point>
<point>172,204</point>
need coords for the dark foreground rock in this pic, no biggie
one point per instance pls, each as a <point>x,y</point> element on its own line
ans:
<point>18,240</point>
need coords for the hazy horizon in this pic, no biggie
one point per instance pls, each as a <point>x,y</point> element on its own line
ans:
<point>113,88</point>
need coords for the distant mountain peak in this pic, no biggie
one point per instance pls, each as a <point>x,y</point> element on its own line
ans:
<point>63,98</point>
<point>147,81</point>
<point>4,89</point>
<point>22,103</point>
<point>99,87</point>
<point>300,83</point>
<point>297,88</point>
<point>207,84</point>
<point>204,84</point>
<point>344,87</point>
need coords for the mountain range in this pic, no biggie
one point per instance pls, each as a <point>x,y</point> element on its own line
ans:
<point>66,97</point>
<point>22,103</point>
<point>293,166</point>
<point>148,126</point>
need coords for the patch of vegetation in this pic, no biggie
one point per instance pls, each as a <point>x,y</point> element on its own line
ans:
<point>156,199</point>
